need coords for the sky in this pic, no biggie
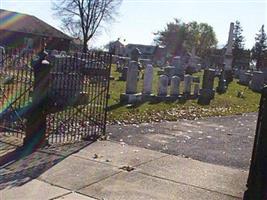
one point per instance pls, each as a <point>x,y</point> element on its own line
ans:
<point>137,20</point>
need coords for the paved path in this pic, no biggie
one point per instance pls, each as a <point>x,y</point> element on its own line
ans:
<point>225,141</point>
<point>107,170</point>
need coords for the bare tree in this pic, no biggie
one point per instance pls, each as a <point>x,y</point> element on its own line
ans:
<point>82,18</point>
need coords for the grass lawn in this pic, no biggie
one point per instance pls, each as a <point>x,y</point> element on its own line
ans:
<point>225,104</point>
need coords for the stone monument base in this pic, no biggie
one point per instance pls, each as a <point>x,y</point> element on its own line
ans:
<point>148,97</point>
<point>168,98</point>
<point>131,98</point>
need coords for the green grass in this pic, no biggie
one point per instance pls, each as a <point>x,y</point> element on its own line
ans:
<point>225,104</point>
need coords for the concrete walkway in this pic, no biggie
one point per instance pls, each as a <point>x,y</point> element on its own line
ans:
<point>107,170</point>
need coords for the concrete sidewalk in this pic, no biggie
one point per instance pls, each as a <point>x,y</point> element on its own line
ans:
<point>116,171</point>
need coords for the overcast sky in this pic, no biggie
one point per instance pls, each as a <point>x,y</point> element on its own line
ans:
<point>138,19</point>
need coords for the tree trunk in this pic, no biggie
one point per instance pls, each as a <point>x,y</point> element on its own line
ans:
<point>85,46</point>
<point>258,63</point>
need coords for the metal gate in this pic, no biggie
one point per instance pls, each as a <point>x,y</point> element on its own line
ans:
<point>16,82</point>
<point>76,94</point>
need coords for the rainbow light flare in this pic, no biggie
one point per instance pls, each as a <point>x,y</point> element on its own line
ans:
<point>8,19</point>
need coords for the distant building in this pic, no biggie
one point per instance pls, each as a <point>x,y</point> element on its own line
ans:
<point>147,51</point>
<point>153,53</point>
<point>26,31</point>
<point>76,44</point>
<point>117,48</point>
<point>160,55</point>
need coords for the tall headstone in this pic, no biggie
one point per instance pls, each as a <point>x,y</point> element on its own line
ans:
<point>257,82</point>
<point>179,69</point>
<point>163,85</point>
<point>131,95</point>
<point>132,78</point>
<point>228,57</point>
<point>175,86</point>
<point>148,80</point>
<point>193,67</point>
<point>207,92</point>
<point>187,84</point>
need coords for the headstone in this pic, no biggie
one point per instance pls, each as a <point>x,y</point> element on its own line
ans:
<point>117,66</point>
<point>180,71</point>
<point>135,55</point>
<point>175,86</point>
<point>257,82</point>
<point>132,78</point>
<point>163,85</point>
<point>228,57</point>
<point>208,79</point>
<point>206,94</point>
<point>196,90</point>
<point>264,70</point>
<point>2,54</point>
<point>148,80</point>
<point>176,61</point>
<point>244,77</point>
<point>187,84</point>
<point>222,86</point>
<point>228,54</point>
<point>192,65</point>
<point>123,76</point>
<point>179,68</point>
<point>169,71</point>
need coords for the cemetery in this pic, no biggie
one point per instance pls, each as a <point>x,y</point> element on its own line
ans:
<point>157,91</point>
<point>182,118</point>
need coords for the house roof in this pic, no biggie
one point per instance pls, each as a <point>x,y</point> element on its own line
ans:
<point>145,49</point>
<point>18,22</point>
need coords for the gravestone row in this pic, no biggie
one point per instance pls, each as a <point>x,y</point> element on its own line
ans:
<point>166,89</point>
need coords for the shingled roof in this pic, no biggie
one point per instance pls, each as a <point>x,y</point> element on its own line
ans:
<point>18,22</point>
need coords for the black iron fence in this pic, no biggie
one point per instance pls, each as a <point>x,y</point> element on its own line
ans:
<point>16,82</point>
<point>62,96</point>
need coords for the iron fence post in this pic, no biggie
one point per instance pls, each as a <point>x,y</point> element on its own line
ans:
<point>257,179</point>
<point>36,119</point>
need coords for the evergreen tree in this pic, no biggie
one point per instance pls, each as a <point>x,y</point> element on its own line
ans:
<point>238,45</point>
<point>259,47</point>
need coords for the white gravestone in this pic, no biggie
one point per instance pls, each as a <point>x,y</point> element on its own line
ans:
<point>175,84</point>
<point>187,84</point>
<point>163,85</point>
<point>148,79</point>
<point>132,78</point>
